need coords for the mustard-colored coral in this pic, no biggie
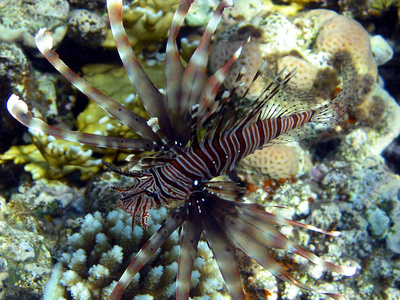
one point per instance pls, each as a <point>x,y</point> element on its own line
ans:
<point>48,157</point>
<point>145,22</point>
<point>288,9</point>
<point>114,82</point>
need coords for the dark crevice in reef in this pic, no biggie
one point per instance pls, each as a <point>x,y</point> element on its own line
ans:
<point>392,155</point>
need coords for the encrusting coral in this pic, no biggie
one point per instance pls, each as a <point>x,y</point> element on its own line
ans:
<point>250,59</point>
<point>45,160</point>
<point>312,42</point>
<point>21,20</point>
<point>351,189</point>
<point>27,237</point>
<point>306,73</point>
<point>343,34</point>
<point>88,26</point>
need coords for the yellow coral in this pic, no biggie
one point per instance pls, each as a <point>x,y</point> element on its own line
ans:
<point>146,22</point>
<point>114,82</point>
<point>288,9</point>
<point>49,157</point>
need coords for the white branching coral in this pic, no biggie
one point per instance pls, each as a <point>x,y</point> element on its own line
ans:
<point>100,250</point>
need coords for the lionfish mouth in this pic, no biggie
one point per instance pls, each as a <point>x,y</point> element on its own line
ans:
<point>182,165</point>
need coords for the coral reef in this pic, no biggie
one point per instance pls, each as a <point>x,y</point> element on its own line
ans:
<point>279,161</point>
<point>15,72</point>
<point>48,157</point>
<point>349,190</point>
<point>88,26</point>
<point>313,42</point>
<point>99,251</point>
<point>381,50</point>
<point>27,236</point>
<point>14,66</point>
<point>352,191</point>
<point>200,12</point>
<point>25,258</point>
<point>343,34</point>
<point>21,20</point>
<point>306,72</point>
<point>250,59</point>
<point>146,23</point>
<point>379,110</point>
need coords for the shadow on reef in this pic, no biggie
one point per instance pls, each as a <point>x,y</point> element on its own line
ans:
<point>392,155</point>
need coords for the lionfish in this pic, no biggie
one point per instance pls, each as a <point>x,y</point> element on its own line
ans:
<point>188,140</point>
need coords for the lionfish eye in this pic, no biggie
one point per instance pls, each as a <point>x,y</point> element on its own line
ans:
<point>151,194</point>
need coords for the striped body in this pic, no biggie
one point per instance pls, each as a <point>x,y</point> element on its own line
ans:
<point>177,180</point>
<point>219,156</point>
<point>171,164</point>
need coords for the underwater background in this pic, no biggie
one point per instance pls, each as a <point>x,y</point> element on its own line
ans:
<point>61,235</point>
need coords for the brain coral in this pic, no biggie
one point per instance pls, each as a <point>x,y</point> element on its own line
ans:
<point>306,73</point>
<point>250,58</point>
<point>278,161</point>
<point>342,34</point>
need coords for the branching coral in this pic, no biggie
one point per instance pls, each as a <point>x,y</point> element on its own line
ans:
<point>146,22</point>
<point>48,157</point>
<point>51,158</point>
<point>98,252</point>
<point>100,244</point>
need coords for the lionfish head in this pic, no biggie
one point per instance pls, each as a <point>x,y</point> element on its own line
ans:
<point>141,196</point>
<point>215,208</point>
